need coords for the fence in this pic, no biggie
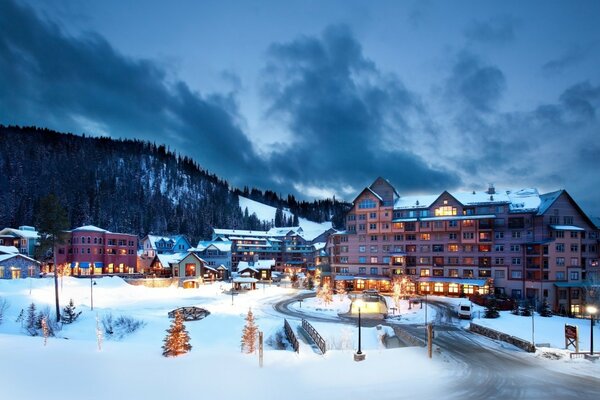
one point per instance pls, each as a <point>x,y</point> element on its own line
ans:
<point>312,332</point>
<point>291,336</point>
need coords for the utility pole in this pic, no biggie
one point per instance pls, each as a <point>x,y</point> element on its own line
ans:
<point>429,339</point>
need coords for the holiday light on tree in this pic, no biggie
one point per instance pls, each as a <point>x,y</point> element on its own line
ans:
<point>325,293</point>
<point>99,335</point>
<point>177,341</point>
<point>249,334</point>
<point>340,288</point>
<point>45,330</point>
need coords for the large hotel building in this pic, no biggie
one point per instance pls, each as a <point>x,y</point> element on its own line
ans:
<point>521,244</point>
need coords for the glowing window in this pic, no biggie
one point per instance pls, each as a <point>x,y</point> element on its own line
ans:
<point>445,211</point>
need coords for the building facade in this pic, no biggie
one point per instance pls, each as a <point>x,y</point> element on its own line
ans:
<point>515,243</point>
<point>90,250</point>
<point>292,248</point>
<point>153,245</point>
<point>25,239</point>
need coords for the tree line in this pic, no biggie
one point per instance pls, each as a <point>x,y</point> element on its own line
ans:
<point>130,186</point>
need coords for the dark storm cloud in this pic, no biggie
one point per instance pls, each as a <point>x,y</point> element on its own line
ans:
<point>497,30</point>
<point>552,146</point>
<point>475,84</point>
<point>351,121</point>
<point>82,83</point>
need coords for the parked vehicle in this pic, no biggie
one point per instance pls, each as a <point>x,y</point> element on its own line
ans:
<point>464,311</point>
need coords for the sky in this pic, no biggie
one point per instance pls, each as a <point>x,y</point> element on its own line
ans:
<point>318,98</point>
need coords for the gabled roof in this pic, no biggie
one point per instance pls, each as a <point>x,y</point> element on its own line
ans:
<point>19,233</point>
<point>386,181</point>
<point>9,250</point>
<point>4,257</point>
<point>224,246</point>
<point>551,197</point>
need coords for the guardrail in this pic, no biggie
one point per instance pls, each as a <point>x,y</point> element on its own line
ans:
<point>291,336</point>
<point>522,344</point>
<point>312,332</point>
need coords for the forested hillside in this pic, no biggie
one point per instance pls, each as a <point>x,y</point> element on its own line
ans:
<point>127,186</point>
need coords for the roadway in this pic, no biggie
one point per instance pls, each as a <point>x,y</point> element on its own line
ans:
<point>483,368</point>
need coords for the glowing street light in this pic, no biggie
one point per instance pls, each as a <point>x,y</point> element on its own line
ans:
<point>592,310</point>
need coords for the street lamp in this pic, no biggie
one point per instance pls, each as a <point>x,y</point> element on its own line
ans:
<point>92,283</point>
<point>592,310</point>
<point>359,356</point>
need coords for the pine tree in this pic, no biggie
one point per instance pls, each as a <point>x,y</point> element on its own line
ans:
<point>545,311</point>
<point>52,223</point>
<point>30,322</point>
<point>69,314</point>
<point>249,334</point>
<point>516,310</point>
<point>21,317</point>
<point>177,341</point>
<point>491,310</point>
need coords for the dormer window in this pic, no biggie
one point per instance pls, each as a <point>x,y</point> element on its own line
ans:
<point>445,210</point>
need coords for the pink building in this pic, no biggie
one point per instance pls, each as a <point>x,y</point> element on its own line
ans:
<point>92,250</point>
<point>515,243</point>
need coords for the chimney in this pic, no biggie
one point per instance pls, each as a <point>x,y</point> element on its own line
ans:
<point>491,189</point>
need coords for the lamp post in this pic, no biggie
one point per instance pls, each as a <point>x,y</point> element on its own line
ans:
<point>592,310</point>
<point>359,355</point>
<point>92,283</point>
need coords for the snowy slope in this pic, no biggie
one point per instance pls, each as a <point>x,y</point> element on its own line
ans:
<point>267,213</point>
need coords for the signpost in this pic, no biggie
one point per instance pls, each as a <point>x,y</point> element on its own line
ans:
<point>571,337</point>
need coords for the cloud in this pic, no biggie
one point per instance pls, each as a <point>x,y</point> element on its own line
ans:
<point>496,30</point>
<point>572,56</point>
<point>477,85</point>
<point>351,121</point>
<point>67,83</point>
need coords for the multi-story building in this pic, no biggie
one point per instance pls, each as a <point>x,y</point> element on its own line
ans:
<point>153,245</point>
<point>25,239</point>
<point>92,250</point>
<point>216,253</point>
<point>292,248</point>
<point>515,243</point>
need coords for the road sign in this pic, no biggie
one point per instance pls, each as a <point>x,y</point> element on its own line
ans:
<point>571,337</point>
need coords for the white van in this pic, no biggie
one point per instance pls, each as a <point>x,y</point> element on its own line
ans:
<point>464,311</point>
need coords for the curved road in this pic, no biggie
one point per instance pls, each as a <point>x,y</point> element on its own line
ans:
<point>486,369</point>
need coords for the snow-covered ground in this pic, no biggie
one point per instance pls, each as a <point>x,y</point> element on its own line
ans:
<point>267,213</point>
<point>134,367</point>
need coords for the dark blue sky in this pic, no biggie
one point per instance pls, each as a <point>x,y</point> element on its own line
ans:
<point>318,98</point>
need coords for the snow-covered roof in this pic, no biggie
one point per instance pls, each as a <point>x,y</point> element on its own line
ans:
<point>256,265</point>
<point>167,259</point>
<point>283,231</point>
<point>319,245</point>
<point>219,245</point>
<point>4,257</point>
<point>566,228</point>
<point>9,250</point>
<point>24,233</point>
<point>243,279</point>
<point>518,201</point>
<point>89,228</point>
<point>547,199</point>
<point>239,232</point>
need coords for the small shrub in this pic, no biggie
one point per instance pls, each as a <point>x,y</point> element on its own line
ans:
<point>3,307</point>
<point>121,326</point>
